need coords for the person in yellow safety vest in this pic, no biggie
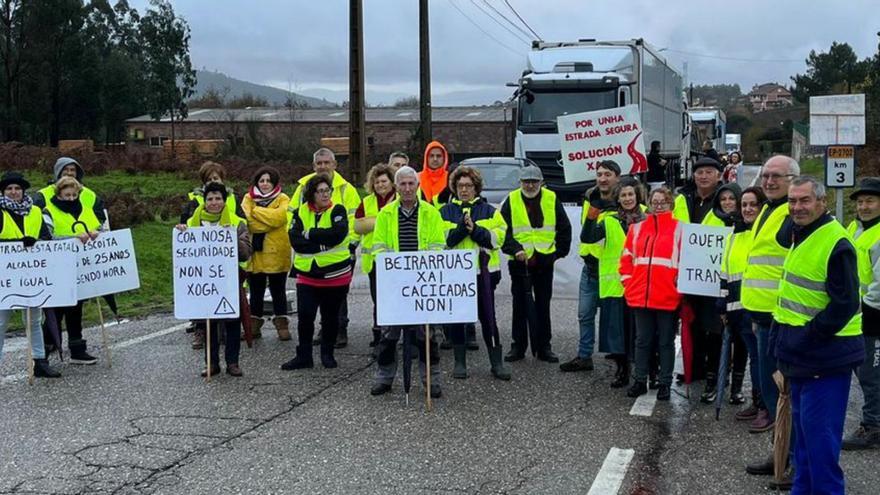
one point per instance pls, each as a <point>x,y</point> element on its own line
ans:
<point>209,172</point>
<point>693,204</point>
<point>380,186</point>
<point>22,221</point>
<point>323,268</point>
<point>609,231</point>
<point>819,340</point>
<point>434,177</point>
<point>729,305</point>
<point>345,194</point>
<point>68,167</point>
<point>601,198</point>
<point>215,212</point>
<point>473,223</point>
<point>407,224</point>
<point>760,286</point>
<point>397,159</point>
<point>866,232</point>
<point>66,216</point>
<point>538,233</point>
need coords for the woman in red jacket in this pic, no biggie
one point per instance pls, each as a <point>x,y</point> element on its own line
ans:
<point>649,269</point>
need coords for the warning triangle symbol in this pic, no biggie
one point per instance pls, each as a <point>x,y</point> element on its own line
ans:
<point>224,308</point>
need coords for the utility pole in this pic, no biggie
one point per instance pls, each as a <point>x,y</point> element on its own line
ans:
<point>424,75</point>
<point>357,158</point>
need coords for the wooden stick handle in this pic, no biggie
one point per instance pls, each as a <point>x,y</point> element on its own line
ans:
<point>30,349</point>
<point>428,367</point>
<point>208,349</point>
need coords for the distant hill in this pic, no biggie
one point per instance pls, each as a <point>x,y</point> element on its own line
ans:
<point>237,87</point>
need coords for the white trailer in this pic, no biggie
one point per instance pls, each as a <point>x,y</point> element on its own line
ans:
<point>572,77</point>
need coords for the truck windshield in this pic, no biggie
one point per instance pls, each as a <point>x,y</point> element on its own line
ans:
<point>544,106</point>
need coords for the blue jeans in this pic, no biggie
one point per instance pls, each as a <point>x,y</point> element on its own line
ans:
<point>751,342</point>
<point>818,411</point>
<point>37,346</point>
<point>766,367</point>
<point>588,303</point>
<point>869,380</point>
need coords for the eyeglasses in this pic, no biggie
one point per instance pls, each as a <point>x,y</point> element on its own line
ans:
<point>656,204</point>
<point>774,177</point>
<point>465,185</point>
<point>328,190</point>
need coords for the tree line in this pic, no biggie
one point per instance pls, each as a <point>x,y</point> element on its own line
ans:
<point>74,69</point>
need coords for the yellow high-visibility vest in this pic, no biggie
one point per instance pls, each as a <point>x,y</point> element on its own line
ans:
<point>540,239</point>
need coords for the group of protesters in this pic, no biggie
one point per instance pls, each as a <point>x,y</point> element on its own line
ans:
<point>799,292</point>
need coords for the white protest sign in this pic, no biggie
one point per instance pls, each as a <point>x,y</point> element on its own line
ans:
<point>837,119</point>
<point>106,265</point>
<point>699,268</point>
<point>43,275</point>
<point>585,139</point>
<point>422,287</point>
<point>205,273</point>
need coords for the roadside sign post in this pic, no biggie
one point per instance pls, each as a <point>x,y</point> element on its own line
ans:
<point>838,123</point>
<point>840,172</point>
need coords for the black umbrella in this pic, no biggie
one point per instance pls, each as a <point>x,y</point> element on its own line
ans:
<point>722,371</point>
<point>407,362</point>
<point>51,323</point>
<point>531,311</point>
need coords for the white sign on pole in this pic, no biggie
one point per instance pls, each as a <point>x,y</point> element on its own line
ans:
<point>585,139</point>
<point>699,268</point>
<point>837,119</point>
<point>424,287</point>
<point>43,275</point>
<point>106,265</point>
<point>205,273</point>
<point>840,166</point>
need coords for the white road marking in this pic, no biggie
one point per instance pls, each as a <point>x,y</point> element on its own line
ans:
<point>644,405</point>
<point>149,336</point>
<point>612,472</point>
<point>4,380</point>
<point>20,344</point>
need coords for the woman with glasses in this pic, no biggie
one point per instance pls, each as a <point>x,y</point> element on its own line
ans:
<point>649,270</point>
<point>472,223</point>
<point>323,268</point>
<point>615,328</point>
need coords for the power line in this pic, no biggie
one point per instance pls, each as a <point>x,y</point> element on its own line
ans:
<point>496,40</point>
<point>515,25</point>
<point>522,20</point>
<point>514,33</point>
<point>735,59</point>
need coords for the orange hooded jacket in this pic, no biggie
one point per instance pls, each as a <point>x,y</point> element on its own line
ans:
<point>432,182</point>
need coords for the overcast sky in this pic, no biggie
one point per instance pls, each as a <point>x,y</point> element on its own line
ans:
<point>303,44</point>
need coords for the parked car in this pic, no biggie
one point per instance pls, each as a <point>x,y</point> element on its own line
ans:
<point>500,175</point>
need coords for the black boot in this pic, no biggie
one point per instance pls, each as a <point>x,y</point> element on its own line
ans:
<point>341,338</point>
<point>460,354</point>
<point>621,375</point>
<point>514,354</point>
<point>447,340</point>
<point>327,359</point>
<point>736,385</point>
<point>471,342</point>
<point>377,334</point>
<point>78,354</point>
<point>709,391</point>
<point>43,370</point>
<point>302,360</point>
<point>499,371</point>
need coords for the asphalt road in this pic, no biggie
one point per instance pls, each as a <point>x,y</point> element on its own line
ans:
<point>150,424</point>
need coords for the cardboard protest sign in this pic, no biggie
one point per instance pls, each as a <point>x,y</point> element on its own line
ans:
<point>424,287</point>
<point>699,271</point>
<point>106,265</point>
<point>585,139</point>
<point>205,273</point>
<point>43,275</point>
